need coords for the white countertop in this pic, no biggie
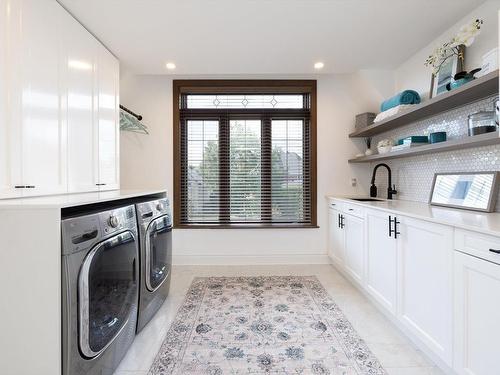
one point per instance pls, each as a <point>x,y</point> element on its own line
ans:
<point>487,223</point>
<point>72,200</point>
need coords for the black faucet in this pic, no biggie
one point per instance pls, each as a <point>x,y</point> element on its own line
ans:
<point>390,190</point>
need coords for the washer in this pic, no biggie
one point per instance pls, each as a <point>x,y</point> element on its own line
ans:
<point>155,233</point>
<point>100,290</point>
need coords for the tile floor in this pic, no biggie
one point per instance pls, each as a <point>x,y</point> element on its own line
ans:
<point>395,352</point>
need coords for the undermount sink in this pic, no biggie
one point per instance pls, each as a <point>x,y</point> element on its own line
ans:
<point>366,199</point>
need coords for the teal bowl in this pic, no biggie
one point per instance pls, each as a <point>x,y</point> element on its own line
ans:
<point>455,84</point>
<point>437,137</point>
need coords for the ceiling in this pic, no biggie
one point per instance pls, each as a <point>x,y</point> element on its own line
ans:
<point>233,37</point>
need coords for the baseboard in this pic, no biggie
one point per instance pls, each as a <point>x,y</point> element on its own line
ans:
<point>245,260</point>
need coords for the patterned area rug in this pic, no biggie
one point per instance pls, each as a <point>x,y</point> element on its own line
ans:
<point>262,325</point>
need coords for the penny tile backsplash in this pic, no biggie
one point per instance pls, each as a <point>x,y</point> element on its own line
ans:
<point>413,175</point>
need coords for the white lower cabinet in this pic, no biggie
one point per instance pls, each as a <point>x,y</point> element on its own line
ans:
<point>354,247</point>
<point>336,237</point>
<point>477,307</point>
<point>425,291</point>
<point>381,273</point>
<point>440,284</point>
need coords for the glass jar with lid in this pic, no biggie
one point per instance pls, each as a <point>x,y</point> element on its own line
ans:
<point>482,122</point>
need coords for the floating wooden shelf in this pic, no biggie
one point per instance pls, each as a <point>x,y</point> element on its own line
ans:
<point>475,90</point>
<point>487,139</point>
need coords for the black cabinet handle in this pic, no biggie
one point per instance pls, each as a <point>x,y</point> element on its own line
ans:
<point>100,184</point>
<point>19,186</point>
<point>339,221</point>
<point>396,232</point>
<point>351,209</point>
<point>495,251</point>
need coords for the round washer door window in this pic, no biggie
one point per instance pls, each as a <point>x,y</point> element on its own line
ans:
<point>158,252</point>
<point>107,292</point>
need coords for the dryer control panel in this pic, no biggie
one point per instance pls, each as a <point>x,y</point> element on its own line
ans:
<point>147,211</point>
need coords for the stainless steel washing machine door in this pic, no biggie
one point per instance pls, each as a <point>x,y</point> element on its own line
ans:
<point>107,291</point>
<point>158,252</point>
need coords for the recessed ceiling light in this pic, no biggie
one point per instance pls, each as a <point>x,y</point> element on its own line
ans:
<point>319,65</point>
<point>170,66</point>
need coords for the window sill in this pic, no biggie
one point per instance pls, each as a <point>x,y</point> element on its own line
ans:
<point>246,226</point>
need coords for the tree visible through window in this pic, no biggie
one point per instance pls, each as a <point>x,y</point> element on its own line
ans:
<point>244,159</point>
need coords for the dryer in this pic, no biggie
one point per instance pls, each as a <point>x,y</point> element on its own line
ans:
<point>155,234</point>
<point>100,286</point>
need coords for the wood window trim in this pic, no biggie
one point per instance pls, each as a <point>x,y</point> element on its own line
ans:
<point>243,87</point>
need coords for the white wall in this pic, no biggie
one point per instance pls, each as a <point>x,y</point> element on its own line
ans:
<point>147,163</point>
<point>412,74</point>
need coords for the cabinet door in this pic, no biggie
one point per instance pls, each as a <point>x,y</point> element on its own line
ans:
<point>425,283</point>
<point>108,117</point>
<point>477,305</point>
<point>10,130</point>
<point>336,238</point>
<point>354,247</point>
<point>81,52</point>
<point>43,131</point>
<point>381,260</point>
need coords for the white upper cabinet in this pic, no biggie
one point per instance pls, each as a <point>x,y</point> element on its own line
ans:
<point>425,283</point>
<point>10,168</point>
<point>59,103</point>
<point>81,52</point>
<point>381,280</point>
<point>43,129</point>
<point>108,115</point>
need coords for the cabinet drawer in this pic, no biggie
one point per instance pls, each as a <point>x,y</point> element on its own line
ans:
<point>354,209</point>
<point>478,244</point>
<point>335,204</point>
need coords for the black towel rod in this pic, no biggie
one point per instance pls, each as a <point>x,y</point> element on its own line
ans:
<point>138,117</point>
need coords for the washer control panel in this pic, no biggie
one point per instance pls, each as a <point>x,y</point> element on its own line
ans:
<point>147,211</point>
<point>116,220</point>
<point>81,232</point>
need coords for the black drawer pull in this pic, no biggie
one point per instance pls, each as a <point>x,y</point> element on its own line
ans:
<point>495,251</point>
<point>19,186</point>
<point>351,209</point>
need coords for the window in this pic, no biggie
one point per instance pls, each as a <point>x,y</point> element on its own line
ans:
<point>244,153</point>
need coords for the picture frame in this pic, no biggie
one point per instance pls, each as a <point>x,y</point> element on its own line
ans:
<point>450,67</point>
<point>476,191</point>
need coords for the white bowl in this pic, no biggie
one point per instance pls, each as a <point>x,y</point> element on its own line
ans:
<point>384,149</point>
